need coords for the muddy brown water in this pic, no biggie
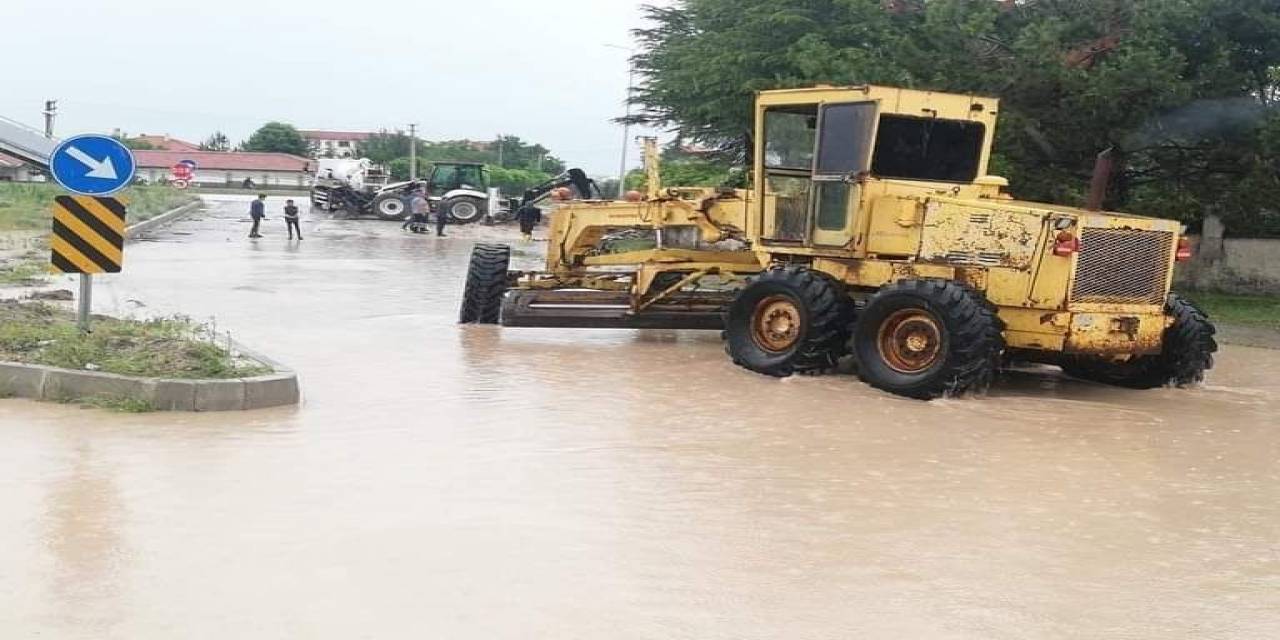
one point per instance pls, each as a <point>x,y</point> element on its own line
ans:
<point>473,482</point>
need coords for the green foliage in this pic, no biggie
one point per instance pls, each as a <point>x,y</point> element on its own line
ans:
<point>522,165</point>
<point>683,170</point>
<point>118,403</point>
<point>137,144</point>
<point>276,137</point>
<point>1183,88</point>
<point>399,168</point>
<point>216,142</point>
<point>515,181</point>
<point>26,205</point>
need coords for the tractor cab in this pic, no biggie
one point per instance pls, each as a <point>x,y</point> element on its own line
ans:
<point>459,190</point>
<point>451,176</point>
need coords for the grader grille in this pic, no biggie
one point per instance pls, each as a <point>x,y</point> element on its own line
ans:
<point>1122,266</point>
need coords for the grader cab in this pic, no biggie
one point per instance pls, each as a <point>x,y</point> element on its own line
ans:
<point>872,229</point>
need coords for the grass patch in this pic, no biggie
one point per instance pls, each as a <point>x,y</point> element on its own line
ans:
<point>23,272</point>
<point>119,404</point>
<point>1249,311</point>
<point>24,206</point>
<point>34,333</point>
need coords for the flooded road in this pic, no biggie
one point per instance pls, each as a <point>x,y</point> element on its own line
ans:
<point>472,482</point>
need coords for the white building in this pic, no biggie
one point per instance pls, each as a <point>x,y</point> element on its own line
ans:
<point>334,144</point>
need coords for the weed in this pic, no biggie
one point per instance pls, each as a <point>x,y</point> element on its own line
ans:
<point>119,404</point>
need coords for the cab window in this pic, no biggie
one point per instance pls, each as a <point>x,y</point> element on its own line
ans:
<point>928,149</point>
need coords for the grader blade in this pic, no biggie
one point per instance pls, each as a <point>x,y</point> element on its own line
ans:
<point>611,310</point>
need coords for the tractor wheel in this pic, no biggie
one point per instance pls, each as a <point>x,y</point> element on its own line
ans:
<point>390,206</point>
<point>1186,353</point>
<point>486,284</point>
<point>464,209</point>
<point>787,321</point>
<point>926,339</point>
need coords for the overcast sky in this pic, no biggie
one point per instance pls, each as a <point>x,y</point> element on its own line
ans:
<point>460,69</point>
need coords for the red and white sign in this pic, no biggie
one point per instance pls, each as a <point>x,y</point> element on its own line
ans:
<point>183,173</point>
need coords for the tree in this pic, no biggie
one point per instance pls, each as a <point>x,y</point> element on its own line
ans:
<point>216,142</point>
<point>1183,89</point>
<point>276,137</point>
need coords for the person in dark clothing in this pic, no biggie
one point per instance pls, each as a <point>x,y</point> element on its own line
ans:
<point>258,212</point>
<point>291,219</point>
<point>441,218</point>
<point>528,216</point>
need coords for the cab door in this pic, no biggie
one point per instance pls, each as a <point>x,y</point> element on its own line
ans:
<point>846,135</point>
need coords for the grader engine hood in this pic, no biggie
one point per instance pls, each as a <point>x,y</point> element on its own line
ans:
<point>958,232</point>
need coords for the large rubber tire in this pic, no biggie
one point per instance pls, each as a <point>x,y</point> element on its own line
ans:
<point>390,206</point>
<point>1185,354</point>
<point>926,339</point>
<point>486,284</point>
<point>817,316</point>
<point>464,209</point>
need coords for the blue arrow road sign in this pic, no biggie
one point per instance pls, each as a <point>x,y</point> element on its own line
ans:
<point>92,165</point>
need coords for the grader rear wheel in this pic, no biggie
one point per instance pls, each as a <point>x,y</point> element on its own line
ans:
<point>1186,354</point>
<point>789,321</point>
<point>926,339</point>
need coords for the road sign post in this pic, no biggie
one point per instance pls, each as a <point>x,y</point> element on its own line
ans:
<point>88,229</point>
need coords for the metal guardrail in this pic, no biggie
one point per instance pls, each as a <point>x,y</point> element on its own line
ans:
<point>24,143</point>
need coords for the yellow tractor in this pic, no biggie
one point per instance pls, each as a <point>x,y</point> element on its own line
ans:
<point>873,230</point>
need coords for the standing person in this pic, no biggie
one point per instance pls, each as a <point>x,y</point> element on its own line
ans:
<point>258,212</point>
<point>291,219</point>
<point>441,218</point>
<point>419,207</point>
<point>528,216</point>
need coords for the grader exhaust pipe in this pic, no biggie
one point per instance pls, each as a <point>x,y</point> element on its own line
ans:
<point>1103,168</point>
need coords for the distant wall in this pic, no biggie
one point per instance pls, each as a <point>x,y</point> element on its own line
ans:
<point>1234,265</point>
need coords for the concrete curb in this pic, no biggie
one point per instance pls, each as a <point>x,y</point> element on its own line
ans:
<point>132,232</point>
<point>38,382</point>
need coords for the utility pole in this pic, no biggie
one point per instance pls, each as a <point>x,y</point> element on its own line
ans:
<point>50,112</point>
<point>500,146</point>
<point>413,152</point>
<point>626,123</point>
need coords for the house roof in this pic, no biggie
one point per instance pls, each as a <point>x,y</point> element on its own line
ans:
<point>9,162</point>
<point>223,160</point>
<point>165,143</point>
<point>350,136</point>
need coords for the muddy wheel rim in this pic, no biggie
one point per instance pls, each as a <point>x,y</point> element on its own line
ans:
<point>391,207</point>
<point>464,211</point>
<point>776,323</point>
<point>910,340</point>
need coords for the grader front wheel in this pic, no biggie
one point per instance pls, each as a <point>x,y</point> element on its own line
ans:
<point>486,284</point>
<point>926,339</point>
<point>788,321</point>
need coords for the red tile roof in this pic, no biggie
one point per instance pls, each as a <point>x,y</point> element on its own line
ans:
<point>350,136</point>
<point>223,160</point>
<point>9,162</point>
<point>165,143</point>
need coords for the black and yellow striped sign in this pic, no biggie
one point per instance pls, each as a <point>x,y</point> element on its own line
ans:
<point>88,234</point>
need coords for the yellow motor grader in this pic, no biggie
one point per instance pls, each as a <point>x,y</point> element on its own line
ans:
<point>871,229</point>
